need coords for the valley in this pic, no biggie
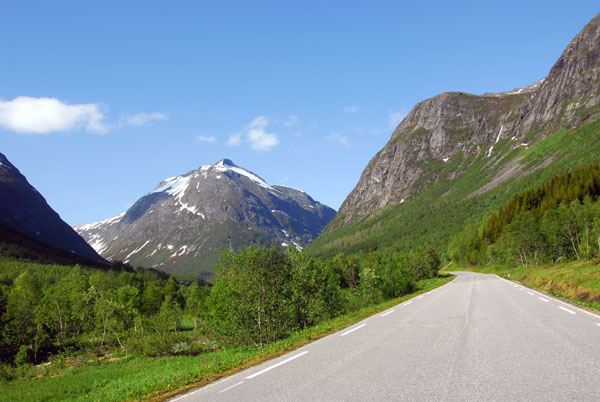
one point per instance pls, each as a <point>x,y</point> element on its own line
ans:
<point>463,265</point>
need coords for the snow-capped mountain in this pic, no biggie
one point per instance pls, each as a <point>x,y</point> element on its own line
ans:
<point>24,210</point>
<point>182,225</point>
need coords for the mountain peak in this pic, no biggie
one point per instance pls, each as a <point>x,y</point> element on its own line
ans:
<point>226,163</point>
<point>183,224</point>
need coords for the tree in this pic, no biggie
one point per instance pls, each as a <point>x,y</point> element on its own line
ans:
<point>524,238</point>
<point>195,297</point>
<point>251,301</point>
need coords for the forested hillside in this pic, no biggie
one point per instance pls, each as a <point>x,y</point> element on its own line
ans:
<point>438,213</point>
<point>458,156</point>
<point>556,221</point>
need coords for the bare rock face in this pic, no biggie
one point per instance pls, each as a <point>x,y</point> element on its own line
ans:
<point>461,125</point>
<point>183,224</point>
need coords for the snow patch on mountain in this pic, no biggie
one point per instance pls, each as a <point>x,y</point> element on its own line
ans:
<point>137,249</point>
<point>96,225</point>
<point>175,186</point>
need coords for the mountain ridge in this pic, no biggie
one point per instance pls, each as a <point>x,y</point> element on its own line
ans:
<point>183,223</point>
<point>24,210</point>
<point>450,123</point>
<point>457,156</point>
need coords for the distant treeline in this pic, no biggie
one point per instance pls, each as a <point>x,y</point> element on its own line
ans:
<point>559,220</point>
<point>260,295</point>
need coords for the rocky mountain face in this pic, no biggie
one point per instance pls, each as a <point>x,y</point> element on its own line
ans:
<point>183,224</point>
<point>459,126</point>
<point>24,210</point>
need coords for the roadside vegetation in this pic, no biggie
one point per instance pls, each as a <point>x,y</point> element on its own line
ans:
<point>84,333</point>
<point>577,281</point>
<point>547,237</point>
<point>558,221</point>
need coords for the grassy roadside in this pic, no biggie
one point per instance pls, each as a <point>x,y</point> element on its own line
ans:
<point>577,281</point>
<point>128,377</point>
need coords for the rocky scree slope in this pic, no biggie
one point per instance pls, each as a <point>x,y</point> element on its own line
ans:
<point>183,224</point>
<point>24,210</point>
<point>443,137</point>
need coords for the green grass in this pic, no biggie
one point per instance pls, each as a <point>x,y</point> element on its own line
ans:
<point>577,281</point>
<point>443,209</point>
<point>126,377</point>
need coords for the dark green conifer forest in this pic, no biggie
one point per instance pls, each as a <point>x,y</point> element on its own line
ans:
<point>556,221</point>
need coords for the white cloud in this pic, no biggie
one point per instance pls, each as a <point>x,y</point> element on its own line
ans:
<point>256,135</point>
<point>340,139</point>
<point>292,120</point>
<point>395,117</point>
<point>352,109</point>
<point>235,140</point>
<point>206,138</point>
<point>143,119</point>
<point>46,115</point>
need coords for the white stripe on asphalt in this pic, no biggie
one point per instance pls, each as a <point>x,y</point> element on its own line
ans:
<point>531,293</point>
<point>228,388</point>
<point>566,309</point>
<point>407,303</point>
<point>353,329</point>
<point>277,365</point>
<point>389,312</point>
<point>542,299</point>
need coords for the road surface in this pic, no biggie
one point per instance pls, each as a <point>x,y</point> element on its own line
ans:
<point>478,338</point>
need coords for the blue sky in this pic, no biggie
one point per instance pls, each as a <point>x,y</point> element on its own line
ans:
<point>101,100</point>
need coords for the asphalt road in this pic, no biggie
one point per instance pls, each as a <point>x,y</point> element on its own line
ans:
<point>478,338</point>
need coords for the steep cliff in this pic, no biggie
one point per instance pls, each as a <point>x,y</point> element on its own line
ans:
<point>459,125</point>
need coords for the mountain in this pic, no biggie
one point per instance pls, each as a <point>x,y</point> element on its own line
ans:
<point>457,150</point>
<point>183,224</point>
<point>28,222</point>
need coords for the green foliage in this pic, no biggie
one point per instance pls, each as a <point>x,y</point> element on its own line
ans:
<point>125,377</point>
<point>50,309</point>
<point>445,208</point>
<point>554,221</point>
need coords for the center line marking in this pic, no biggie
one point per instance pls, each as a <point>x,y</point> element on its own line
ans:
<point>278,364</point>
<point>389,312</point>
<point>566,309</point>
<point>228,388</point>
<point>542,299</point>
<point>353,329</point>
<point>531,293</point>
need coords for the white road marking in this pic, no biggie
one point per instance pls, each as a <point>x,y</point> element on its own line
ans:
<point>389,312</point>
<point>587,312</point>
<point>407,303</point>
<point>531,293</point>
<point>566,309</point>
<point>521,289</point>
<point>277,365</point>
<point>598,324</point>
<point>419,297</point>
<point>212,384</point>
<point>542,299</point>
<point>228,388</point>
<point>353,329</point>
